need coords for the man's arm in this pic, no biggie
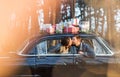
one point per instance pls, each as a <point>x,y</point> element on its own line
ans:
<point>88,51</point>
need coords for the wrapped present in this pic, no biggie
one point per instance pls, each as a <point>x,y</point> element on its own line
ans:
<point>54,26</point>
<point>59,28</point>
<point>45,26</point>
<point>77,29</point>
<point>50,30</point>
<point>71,29</point>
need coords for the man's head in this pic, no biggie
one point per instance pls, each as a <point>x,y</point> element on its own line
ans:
<point>76,40</point>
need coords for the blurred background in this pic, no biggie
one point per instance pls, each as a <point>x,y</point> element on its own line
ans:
<point>21,19</point>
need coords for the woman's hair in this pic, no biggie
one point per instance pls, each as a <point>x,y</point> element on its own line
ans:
<point>65,41</point>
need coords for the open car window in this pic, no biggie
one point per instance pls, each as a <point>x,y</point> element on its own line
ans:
<point>51,46</point>
<point>44,47</point>
<point>48,47</point>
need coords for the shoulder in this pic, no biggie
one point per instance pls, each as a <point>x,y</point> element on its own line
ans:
<point>84,44</point>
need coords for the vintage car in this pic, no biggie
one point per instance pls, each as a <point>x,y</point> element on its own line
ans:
<point>39,61</point>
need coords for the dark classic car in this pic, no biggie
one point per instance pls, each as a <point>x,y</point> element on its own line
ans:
<point>39,61</point>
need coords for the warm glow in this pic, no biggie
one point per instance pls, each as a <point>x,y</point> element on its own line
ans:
<point>13,18</point>
<point>19,21</point>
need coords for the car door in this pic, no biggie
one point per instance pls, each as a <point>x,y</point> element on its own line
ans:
<point>94,66</point>
<point>48,62</point>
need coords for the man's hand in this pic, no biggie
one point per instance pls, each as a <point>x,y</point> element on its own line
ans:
<point>80,52</point>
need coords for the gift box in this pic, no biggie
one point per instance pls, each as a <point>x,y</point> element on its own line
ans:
<point>71,29</point>
<point>77,29</point>
<point>54,26</point>
<point>59,28</point>
<point>45,26</point>
<point>50,30</point>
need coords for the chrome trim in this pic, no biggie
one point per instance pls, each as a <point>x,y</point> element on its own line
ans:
<point>19,53</point>
<point>103,54</point>
<point>47,55</point>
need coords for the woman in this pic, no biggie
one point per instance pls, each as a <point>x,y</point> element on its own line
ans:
<point>65,45</point>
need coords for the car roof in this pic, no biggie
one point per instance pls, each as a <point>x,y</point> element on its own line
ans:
<point>69,34</point>
<point>43,36</point>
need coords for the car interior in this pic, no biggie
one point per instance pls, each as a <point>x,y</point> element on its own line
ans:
<point>51,46</point>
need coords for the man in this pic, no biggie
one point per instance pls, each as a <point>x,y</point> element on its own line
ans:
<point>82,48</point>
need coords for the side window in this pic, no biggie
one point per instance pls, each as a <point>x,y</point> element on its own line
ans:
<point>48,47</point>
<point>32,51</point>
<point>98,48</point>
<point>53,46</point>
<point>42,47</point>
